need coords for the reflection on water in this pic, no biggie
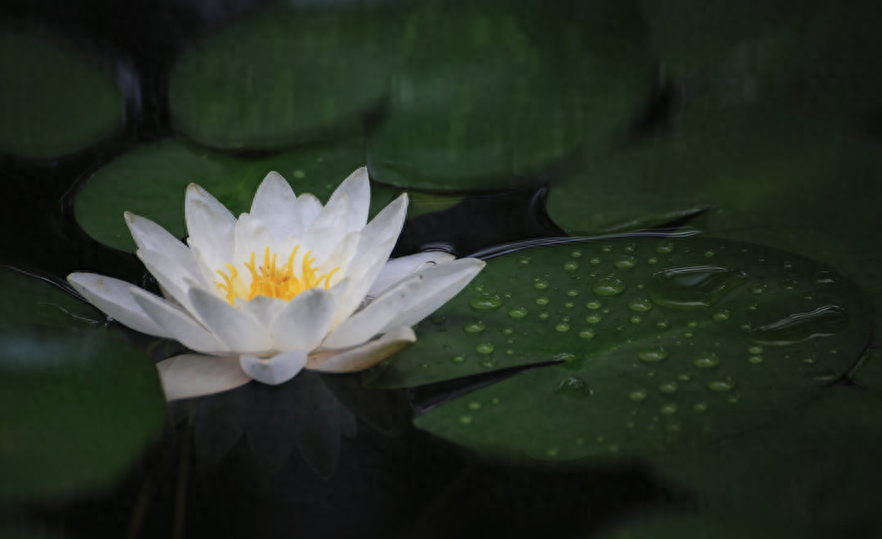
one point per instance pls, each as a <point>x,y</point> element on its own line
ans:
<point>510,123</point>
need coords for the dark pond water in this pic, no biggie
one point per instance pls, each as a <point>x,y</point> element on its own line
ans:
<point>674,334</point>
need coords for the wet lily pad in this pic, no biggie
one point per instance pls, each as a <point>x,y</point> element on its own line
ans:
<point>79,404</point>
<point>663,344</point>
<point>818,466</point>
<point>282,76</point>
<point>491,95</point>
<point>150,181</point>
<point>41,122</point>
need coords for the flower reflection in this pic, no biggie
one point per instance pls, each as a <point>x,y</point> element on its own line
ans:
<point>293,284</point>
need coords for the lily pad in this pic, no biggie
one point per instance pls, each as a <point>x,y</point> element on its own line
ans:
<point>491,95</point>
<point>78,403</point>
<point>150,181</point>
<point>662,344</point>
<point>281,76</point>
<point>41,122</point>
<point>818,466</point>
<point>706,526</point>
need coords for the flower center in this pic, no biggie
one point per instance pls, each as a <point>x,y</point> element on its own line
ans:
<point>273,281</point>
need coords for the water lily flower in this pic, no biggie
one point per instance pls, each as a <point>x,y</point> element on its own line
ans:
<point>290,285</point>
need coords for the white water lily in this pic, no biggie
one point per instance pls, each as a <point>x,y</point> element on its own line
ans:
<point>290,285</point>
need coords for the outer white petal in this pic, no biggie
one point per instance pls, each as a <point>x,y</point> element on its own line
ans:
<point>171,276</point>
<point>264,309</point>
<point>304,322</point>
<point>274,203</point>
<point>358,190</point>
<point>376,242</point>
<point>114,298</point>
<point>397,269</point>
<point>364,356</point>
<point>210,227</point>
<point>151,237</point>
<point>274,370</point>
<point>306,209</point>
<point>179,324</point>
<point>370,321</point>
<point>329,227</point>
<point>191,375</point>
<point>238,330</point>
<point>438,284</point>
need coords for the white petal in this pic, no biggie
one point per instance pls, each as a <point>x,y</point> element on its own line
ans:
<point>180,325</point>
<point>252,236</point>
<point>264,309</point>
<point>238,330</point>
<point>210,227</point>
<point>329,227</point>
<point>306,209</point>
<point>357,188</point>
<point>274,370</point>
<point>376,242</point>
<point>438,284</point>
<point>304,322</point>
<point>114,298</point>
<point>191,375</point>
<point>151,237</point>
<point>364,356</point>
<point>366,323</point>
<point>172,277</point>
<point>397,269</point>
<point>274,204</point>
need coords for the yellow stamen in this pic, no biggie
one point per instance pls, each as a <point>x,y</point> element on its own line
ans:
<point>272,281</point>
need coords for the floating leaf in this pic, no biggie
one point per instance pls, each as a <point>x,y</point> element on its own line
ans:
<point>54,100</point>
<point>281,76</point>
<point>818,466</point>
<point>78,403</point>
<point>663,343</point>
<point>491,94</point>
<point>150,181</point>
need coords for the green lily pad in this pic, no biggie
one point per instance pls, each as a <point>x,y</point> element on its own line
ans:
<point>663,344</point>
<point>491,95</point>
<point>679,525</point>
<point>281,76</point>
<point>818,466</point>
<point>150,181</point>
<point>55,99</point>
<point>79,404</point>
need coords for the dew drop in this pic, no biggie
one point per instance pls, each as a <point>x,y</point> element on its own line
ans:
<point>755,349</point>
<point>652,261</point>
<point>824,277</point>
<point>665,247</point>
<point>576,254</point>
<point>488,363</point>
<point>593,305</point>
<point>800,327</point>
<point>465,419</point>
<point>595,261</point>
<point>706,360</point>
<point>608,286</point>
<point>517,313</point>
<point>699,406</point>
<point>438,319</point>
<point>694,286</point>
<point>524,261</point>
<point>606,248</point>
<point>593,318</point>
<point>626,262</point>
<point>573,387</point>
<point>543,316</point>
<point>653,354</point>
<point>636,319</point>
<point>507,331</point>
<point>562,327</point>
<point>540,284</point>
<point>542,301</point>
<point>640,305</point>
<point>756,360</point>
<point>709,253</point>
<point>474,405</point>
<point>569,305</point>
<point>486,301</point>
<point>458,359</point>
<point>669,408</point>
<point>572,293</point>
<point>475,326</point>
<point>637,394</point>
<point>586,333</point>
<point>720,316</point>
<point>669,387</point>
<point>484,348</point>
<point>721,386</point>
<point>759,288</point>
<point>571,265</point>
